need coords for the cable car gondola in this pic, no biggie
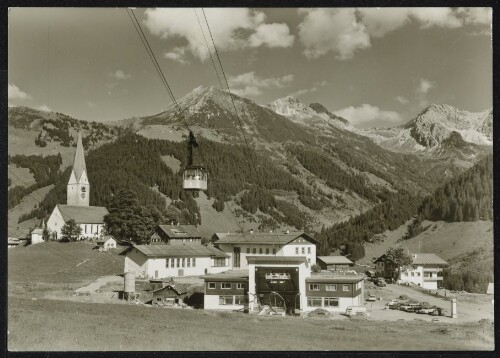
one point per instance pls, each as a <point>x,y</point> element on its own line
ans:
<point>194,176</point>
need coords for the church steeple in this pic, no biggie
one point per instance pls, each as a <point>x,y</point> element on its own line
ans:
<point>78,190</point>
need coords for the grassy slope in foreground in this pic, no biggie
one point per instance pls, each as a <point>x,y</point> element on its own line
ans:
<point>85,326</point>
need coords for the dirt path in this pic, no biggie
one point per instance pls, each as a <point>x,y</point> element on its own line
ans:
<point>101,281</point>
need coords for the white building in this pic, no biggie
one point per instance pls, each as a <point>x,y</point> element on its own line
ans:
<point>427,271</point>
<point>240,246</point>
<point>160,261</point>
<point>106,242</point>
<point>36,236</point>
<point>90,218</point>
<point>284,283</point>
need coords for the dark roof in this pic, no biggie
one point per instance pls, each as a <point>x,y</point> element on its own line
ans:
<point>261,238</point>
<point>233,275</point>
<point>83,214</point>
<point>428,259</point>
<point>335,260</point>
<point>275,259</point>
<point>180,231</point>
<point>180,288</point>
<point>334,278</point>
<point>178,251</point>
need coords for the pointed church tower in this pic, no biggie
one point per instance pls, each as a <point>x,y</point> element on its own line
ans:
<point>78,191</point>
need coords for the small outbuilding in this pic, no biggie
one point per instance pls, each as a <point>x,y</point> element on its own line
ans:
<point>170,294</point>
<point>36,236</point>
<point>13,242</point>
<point>106,242</point>
<point>334,263</point>
<point>491,289</point>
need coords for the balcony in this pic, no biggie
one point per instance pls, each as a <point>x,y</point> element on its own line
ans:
<point>433,278</point>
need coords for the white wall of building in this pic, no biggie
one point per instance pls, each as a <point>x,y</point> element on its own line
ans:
<point>344,302</point>
<point>36,238</point>
<point>417,276</point>
<point>136,262</point>
<point>211,302</point>
<point>75,189</point>
<point>56,222</point>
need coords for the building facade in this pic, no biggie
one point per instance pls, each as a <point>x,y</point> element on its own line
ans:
<point>240,246</point>
<point>427,271</point>
<point>160,261</point>
<point>175,235</point>
<point>334,263</point>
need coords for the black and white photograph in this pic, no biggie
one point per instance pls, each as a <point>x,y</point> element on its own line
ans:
<point>250,179</point>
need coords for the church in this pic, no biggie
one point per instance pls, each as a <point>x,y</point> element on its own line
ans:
<point>90,218</point>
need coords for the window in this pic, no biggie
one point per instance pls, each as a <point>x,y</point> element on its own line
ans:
<point>314,302</point>
<point>331,287</point>
<point>267,250</point>
<point>296,251</point>
<point>226,285</point>
<point>248,250</point>
<point>331,302</point>
<point>178,262</point>
<point>308,250</point>
<point>194,261</point>
<point>158,299</point>
<point>418,274</point>
<point>426,274</point>
<point>314,287</point>
<point>188,262</point>
<point>225,300</point>
<point>260,250</point>
<point>219,262</point>
<point>241,285</point>
<point>84,189</point>
<point>239,300</point>
<point>412,274</point>
<point>211,285</point>
<point>274,251</point>
<point>182,262</point>
<point>85,228</point>
<point>254,250</point>
<point>167,263</point>
<point>345,287</point>
<point>303,250</point>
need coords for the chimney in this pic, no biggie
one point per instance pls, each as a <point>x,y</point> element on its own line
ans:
<point>251,231</point>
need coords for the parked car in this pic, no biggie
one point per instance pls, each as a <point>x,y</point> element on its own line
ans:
<point>411,307</point>
<point>371,298</point>
<point>392,304</point>
<point>380,282</point>
<point>356,311</point>
<point>426,310</point>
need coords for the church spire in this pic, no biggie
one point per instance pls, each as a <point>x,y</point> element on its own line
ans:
<point>79,163</point>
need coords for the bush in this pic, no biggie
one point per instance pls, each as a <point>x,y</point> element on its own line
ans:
<point>316,268</point>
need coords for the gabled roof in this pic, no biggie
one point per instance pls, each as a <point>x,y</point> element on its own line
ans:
<point>232,275</point>
<point>180,231</point>
<point>104,239</point>
<point>161,251</point>
<point>261,238</point>
<point>428,259</point>
<point>83,214</point>
<point>79,162</point>
<point>37,231</point>
<point>180,288</point>
<point>335,260</point>
<point>328,277</point>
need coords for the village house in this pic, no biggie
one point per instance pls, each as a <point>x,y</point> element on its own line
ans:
<point>334,263</point>
<point>12,242</point>
<point>159,261</point>
<point>284,283</point>
<point>106,242</point>
<point>89,218</point>
<point>175,234</point>
<point>170,294</point>
<point>426,271</point>
<point>36,236</point>
<point>242,245</point>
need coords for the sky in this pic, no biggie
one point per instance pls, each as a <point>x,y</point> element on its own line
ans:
<point>373,66</point>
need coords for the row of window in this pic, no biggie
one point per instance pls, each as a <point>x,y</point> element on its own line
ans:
<point>322,302</point>
<point>227,285</point>
<point>92,228</point>
<point>303,251</point>
<point>219,262</point>
<point>181,262</point>
<point>231,300</point>
<point>315,287</point>
<point>261,250</point>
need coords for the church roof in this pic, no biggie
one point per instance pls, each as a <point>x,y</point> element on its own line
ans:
<point>83,214</point>
<point>79,162</point>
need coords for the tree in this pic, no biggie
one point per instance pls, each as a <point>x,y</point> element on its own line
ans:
<point>398,257</point>
<point>127,219</point>
<point>71,231</point>
<point>316,268</point>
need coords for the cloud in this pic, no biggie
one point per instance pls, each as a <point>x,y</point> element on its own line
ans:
<point>178,54</point>
<point>368,115</point>
<point>402,99</point>
<point>424,86</point>
<point>45,108</point>
<point>249,84</point>
<point>232,29</point>
<point>14,93</point>
<point>303,91</point>
<point>348,30</point>
<point>335,30</point>
<point>271,35</point>
<point>120,75</point>
<point>91,104</point>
